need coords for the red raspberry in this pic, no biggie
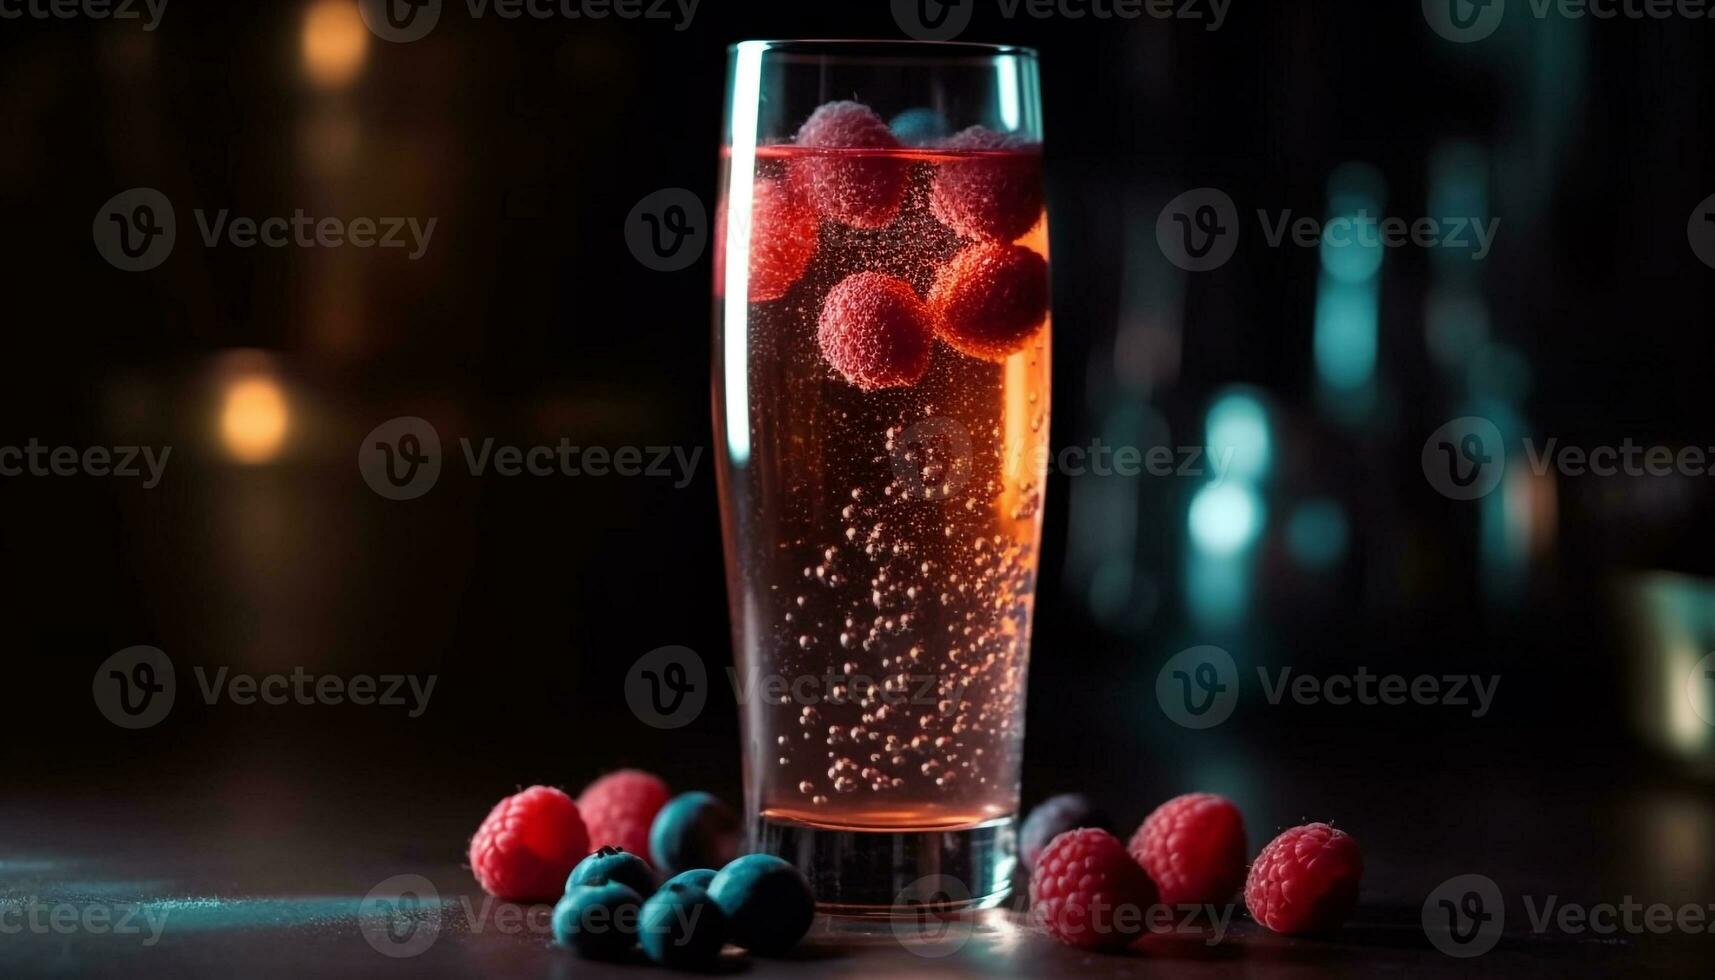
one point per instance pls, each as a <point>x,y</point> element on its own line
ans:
<point>1193,847</point>
<point>1305,880</point>
<point>875,331</point>
<point>528,845</point>
<point>619,807</point>
<point>996,194</point>
<point>1087,891</point>
<point>990,300</point>
<point>782,240</point>
<point>846,185</point>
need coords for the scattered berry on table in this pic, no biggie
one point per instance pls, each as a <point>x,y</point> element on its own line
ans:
<point>766,900</point>
<point>694,830</point>
<point>681,926</point>
<point>619,807</point>
<point>700,877</point>
<point>528,844</point>
<point>1086,891</point>
<point>1305,881</point>
<point>598,921</point>
<point>614,864</point>
<point>1053,817</point>
<point>1193,848</point>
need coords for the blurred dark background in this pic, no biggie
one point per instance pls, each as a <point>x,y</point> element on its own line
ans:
<point>527,320</point>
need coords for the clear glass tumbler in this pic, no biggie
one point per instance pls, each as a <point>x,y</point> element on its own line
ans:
<point>881,390</point>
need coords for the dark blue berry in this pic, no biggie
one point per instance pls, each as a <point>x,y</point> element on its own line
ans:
<point>681,926</point>
<point>598,921</point>
<point>614,864</point>
<point>694,830</point>
<point>1053,817</point>
<point>767,901</point>
<point>700,877</point>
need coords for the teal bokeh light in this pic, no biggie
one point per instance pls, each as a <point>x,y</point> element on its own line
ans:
<point>1317,534</point>
<point>1226,518</point>
<point>1238,437</point>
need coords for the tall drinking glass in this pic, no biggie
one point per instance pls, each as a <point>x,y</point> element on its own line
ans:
<point>881,403</point>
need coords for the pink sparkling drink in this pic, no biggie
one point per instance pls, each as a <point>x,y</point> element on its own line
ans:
<point>882,395</point>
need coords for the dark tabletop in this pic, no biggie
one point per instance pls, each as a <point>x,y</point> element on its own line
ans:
<point>281,876</point>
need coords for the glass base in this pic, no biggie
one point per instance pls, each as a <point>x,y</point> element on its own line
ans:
<point>878,873</point>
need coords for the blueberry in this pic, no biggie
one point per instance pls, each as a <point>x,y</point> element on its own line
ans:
<point>920,127</point>
<point>598,921</point>
<point>699,877</point>
<point>1053,817</point>
<point>681,926</point>
<point>767,901</point>
<point>614,864</point>
<point>694,830</point>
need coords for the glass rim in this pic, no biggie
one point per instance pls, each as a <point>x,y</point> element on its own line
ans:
<point>876,48</point>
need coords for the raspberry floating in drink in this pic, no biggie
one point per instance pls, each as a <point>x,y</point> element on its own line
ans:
<point>1305,880</point>
<point>875,332</point>
<point>782,241</point>
<point>995,196</point>
<point>845,184</point>
<point>990,300</point>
